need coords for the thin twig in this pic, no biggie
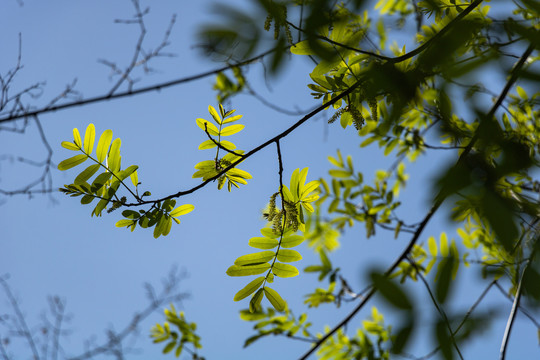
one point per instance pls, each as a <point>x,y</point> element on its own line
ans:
<point>156,87</point>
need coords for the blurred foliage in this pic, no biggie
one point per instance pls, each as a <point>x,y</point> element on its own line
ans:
<point>414,78</point>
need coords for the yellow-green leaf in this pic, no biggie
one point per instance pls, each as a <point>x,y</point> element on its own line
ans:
<point>230,130</point>
<point>208,144</point>
<point>134,178</point>
<point>227,145</point>
<point>77,138</point>
<point>255,303</point>
<point>255,258</point>
<point>72,161</point>
<point>309,188</point>
<point>432,246</point>
<point>249,289</point>
<point>231,119</point>
<point>291,241</point>
<point>240,173</point>
<point>124,223</point>
<point>103,145</point>
<point>182,210</point>
<point>275,299</point>
<point>113,161</point>
<point>214,114</point>
<point>263,243</point>
<point>212,129</point>
<point>70,146</point>
<point>89,138</point>
<point>86,174</point>
<point>284,270</point>
<point>238,270</point>
<point>288,255</point>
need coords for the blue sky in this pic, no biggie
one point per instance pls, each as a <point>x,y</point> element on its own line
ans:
<point>56,248</point>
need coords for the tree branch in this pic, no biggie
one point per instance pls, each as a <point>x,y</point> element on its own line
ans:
<point>128,93</point>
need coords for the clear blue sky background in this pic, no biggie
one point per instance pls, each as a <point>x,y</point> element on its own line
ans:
<point>54,247</point>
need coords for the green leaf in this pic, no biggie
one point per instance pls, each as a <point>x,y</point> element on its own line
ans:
<point>208,144</point>
<point>89,137</point>
<point>255,303</point>
<point>77,138</point>
<point>231,130</point>
<point>214,114</point>
<point>284,270</point>
<point>169,347</point>
<point>288,255</point>
<point>182,210</point>
<point>134,178</point>
<point>275,299</point>
<point>227,145</point>
<point>103,145</point>
<point>432,246</point>
<point>70,146</point>
<point>249,289</point>
<point>113,161</point>
<point>123,223</point>
<point>292,241</point>
<point>237,270</point>
<point>232,118</point>
<point>212,129</point>
<point>86,174</point>
<point>255,258</point>
<point>99,181</point>
<point>72,162</point>
<point>309,188</point>
<point>263,243</point>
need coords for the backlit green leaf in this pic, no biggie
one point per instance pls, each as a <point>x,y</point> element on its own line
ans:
<point>237,270</point>
<point>284,270</point>
<point>123,223</point>
<point>255,258</point>
<point>291,241</point>
<point>208,144</point>
<point>134,178</point>
<point>103,145</point>
<point>263,243</point>
<point>70,146</point>
<point>86,174</point>
<point>255,303</point>
<point>89,137</point>
<point>231,119</point>
<point>275,299</point>
<point>72,161</point>
<point>211,128</point>
<point>288,255</point>
<point>214,114</point>
<point>113,161</point>
<point>182,210</point>
<point>77,138</point>
<point>249,289</point>
<point>231,130</point>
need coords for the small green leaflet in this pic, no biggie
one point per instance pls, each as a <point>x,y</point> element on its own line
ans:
<point>275,299</point>
<point>263,243</point>
<point>284,270</point>
<point>182,210</point>
<point>86,174</point>
<point>231,130</point>
<point>292,241</point>
<point>103,145</point>
<point>89,138</point>
<point>249,289</point>
<point>72,162</point>
<point>238,270</point>
<point>255,258</point>
<point>288,255</point>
